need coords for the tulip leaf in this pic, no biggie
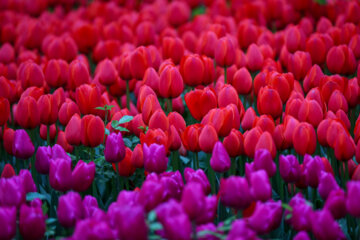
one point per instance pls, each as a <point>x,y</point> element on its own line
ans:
<point>287,207</point>
<point>185,159</point>
<point>51,220</point>
<point>122,129</point>
<point>105,108</point>
<point>34,195</point>
<point>127,142</point>
<point>155,226</point>
<point>100,108</point>
<point>125,119</point>
<point>287,217</point>
<point>204,233</point>
<point>107,132</point>
<point>114,124</point>
<point>152,216</point>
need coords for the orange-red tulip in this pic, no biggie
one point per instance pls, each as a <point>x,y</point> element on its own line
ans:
<point>190,137</point>
<point>266,141</point>
<point>125,167</point>
<point>67,110</point>
<point>304,138</point>
<point>200,102</point>
<point>92,130</point>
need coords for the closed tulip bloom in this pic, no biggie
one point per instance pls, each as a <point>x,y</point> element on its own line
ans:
<point>30,74</point>
<point>12,191</point>
<point>341,60</point>
<point>197,176</point>
<point>70,209</point>
<point>302,236</point>
<point>60,176</point>
<point>174,138</point>
<point>114,148</point>
<point>266,141</point>
<point>299,64</point>
<point>250,139</point>
<point>137,157</point>
<point>88,97</point>
<point>234,143</point>
<point>72,133</point>
<point>207,138</point>
<point>312,170</point>
<point>48,109</point>
<point>92,131</point>
<point>240,229</point>
<point>235,192</point>
<point>225,52</point>
<point>83,176</point>
<point>173,48</point>
<point>27,113</point>
<point>44,156</point>
<point>125,167</point>
<point>269,102</point>
<point>155,159</point>
<point>312,78</point>
<point>301,212</point>
<point>171,83</point>
<point>200,102</point>
<point>266,217</point>
<point>289,168</point>
<point>32,222</point>
<point>209,213</point>
<point>220,160</point>
<point>193,200</point>
<point>78,74</point>
<point>56,73</point>
<point>324,226</point>
<point>151,104</point>
<point>337,101</point>
<point>335,203</point>
<point>192,69</point>
<point>106,72</point>
<point>8,171</point>
<point>178,13</point>
<point>254,58</point>
<point>66,111</point>
<point>22,146</point>
<point>227,95</point>
<point>304,138</point>
<point>263,160</point>
<point>311,112</point>
<point>8,140</point>
<point>260,186</point>
<point>344,146</point>
<point>94,229</point>
<point>151,194</point>
<point>27,181</point>
<point>8,222</point>
<point>5,110</point>
<point>242,81</point>
<point>352,198</point>
<point>190,137</point>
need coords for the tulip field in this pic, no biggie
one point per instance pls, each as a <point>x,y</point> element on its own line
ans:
<point>180,120</point>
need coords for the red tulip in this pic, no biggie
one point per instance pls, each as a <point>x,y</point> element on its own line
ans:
<point>140,60</point>
<point>27,113</point>
<point>304,139</point>
<point>67,110</point>
<point>269,102</point>
<point>207,138</point>
<point>85,35</point>
<point>106,72</point>
<point>88,97</point>
<point>145,33</point>
<point>282,83</point>
<point>295,39</point>
<point>152,79</point>
<point>299,64</point>
<point>92,130</point>
<point>341,60</point>
<point>125,167</point>
<point>225,54</point>
<point>5,111</point>
<point>200,102</point>
<point>48,109</point>
<point>30,74</point>
<point>311,112</point>
<point>227,95</point>
<point>171,83</point>
<point>78,74</point>
<point>151,104</point>
<point>190,137</point>
<point>8,139</point>
<point>312,78</point>
<point>158,120</point>
<point>254,58</point>
<point>242,81</point>
<point>178,13</point>
<point>265,122</point>
<point>337,101</point>
<point>318,45</point>
<point>44,129</point>
<point>177,120</point>
<point>206,43</point>
<point>234,143</point>
<point>248,119</point>
<point>250,140</point>
<point>266,141</point>
<point>56,73</point>
<point>192,70</point>
<point>173,48</point>
<point>344,147</point>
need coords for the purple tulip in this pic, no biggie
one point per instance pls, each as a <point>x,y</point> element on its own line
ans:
<point>289,168</point>
<point>114,148</point>
<point>90,205</point>
<point>128,221</point>
<point>12,191</point>
<point>93,229</point>
<point>324,227</point>
<point>151,194</point>
<point>220,160</point>
<point>260,186</point>
<point>127,198</point>
<point>60,175</point>
<point>83,176</point>
<point>335,203</point>
<point>209,212</point>
<point>28,181</point>
<point>198,176</point>
<point>266,217</point>
<point>327,184</point>
<point>173,185</point>
<point>302,236</point>
<point>300,214</point>
<point>32,222</point>
<point>22,146</point>
<point>249,169</point>
<point>7,222</point>
<point>263,160</point>
<point>235,192</point>
<point>44,156</point>
<point>240,230</point>
<point>171,215</point>
<point>207,227</point>
<point>352,198</point>
<point>312,170</point>
<point>70,209</point>
<point>155,159</point>
<point>193,200</point>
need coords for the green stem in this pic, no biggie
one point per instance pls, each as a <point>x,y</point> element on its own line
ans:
<point>127,95</point>
<point>48,135</point>
<point>194,230</point>
<point>225,75</point>
<point>211,176</point>
<point>196,163</point>
<point>169,105</point>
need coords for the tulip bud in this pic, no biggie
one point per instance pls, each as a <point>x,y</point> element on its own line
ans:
<point>263,160</point>
<point>22,146</point>
<point>269,102</point>
<point>254,58</point>
<point>335,203</point>
<point>70,209</point>
<point>327,184</point>
<point>171,83</point>
<point>192,69</point>
<point>324,226</point>
<point>300,214</point>
<point>220,160</point>
<point>12,191</point>
<point>32,222</point>
<point>197,176</point>
<point>92,228</point>
<point>83,176</point>
<point>193,199</point>
<point>266,217</point>
<point>30,74</point>
<point>207,138</point>
<point>8,171</point>
<point>225,52</point>
<point>56,73</point>
<point>60,177</point>
<point>5,110</point>
<point>234,192</point>
<point>151,194</point>
<point>92,130</point>
<point>260,186</point>
<point>200,102</point>
<point>312,170</point>
<point>106,72</point>
<point>155,159</point>
<point>353,193</point>
<point>306,133</point>
<point>78,74</point>
<point>114,148</point>
<point>8,222</point>
<point>27,113</point>
<point>240,229</point>
<point>289,168</point>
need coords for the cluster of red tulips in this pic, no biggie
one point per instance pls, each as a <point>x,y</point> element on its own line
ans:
<point>185,119</point>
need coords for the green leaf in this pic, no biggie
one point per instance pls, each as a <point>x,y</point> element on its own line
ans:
<point>33,195</point>
<point>287,217</point>
<point>107,132</point>
<point>109,107</point>
<point>321,2</point>
<point>155,226</point>
<point>45,208</point>
<point>50,221</point>
<point>151,216</point>
<point>287,207</point>
<point>185,159</point>
<point>127,142</point>
<point>122,129</point>
<point>100,108</point>
<point>125,119</point>
<point>114,124</point>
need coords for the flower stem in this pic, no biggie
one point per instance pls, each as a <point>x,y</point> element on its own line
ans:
<point>225,75</point>
<point>127,95</point>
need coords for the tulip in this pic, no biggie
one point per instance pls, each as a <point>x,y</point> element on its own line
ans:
<point>171,83</point>
<point>242,81</point>
<point>32,222</point>
<point>158,120</point>
<point>324,226</point>
<point>302,236</point>
<point>155,159</point>
<point>299,64</point>
<point>289,168</point>
<point>30,74</point>
<point>190,137</point>
<point>192,69</point>
<point>106,72</point>
<point>8,140</point>
<point>178,13</point>
<point>28,181</point>
<point>8,222</point>
<point>78,74</point>
<point>300,214</point>
<point>114,148</point>
<point>220,160</point>
<point>337,101</point>
<point>311,112</point>
<point>8,171</point>
<point>269,102</point>
<point>56,73</point>
<point>171,216</point>
<point>335,203</point>
<point>125,167</point>
<point>225,52</point>
<point>60,176</point>
<point>209,212</point>
<point>151,104</point>
<point>155,136</point>
<point>83,176</point>
<point>240,229</point>
<point>353,193</point>
<point>234,143</point>
<point>266,141</point>
<point>304,138</point>
<point>260,186</point>
<point>70,209</point>
<point>89,136</point>
<point>250,139</point>
<point>151,194</point>
<point>207,138</point>
<point>72,133</point>
<point>137,159</point>
<point>193,200</point>
<point>266,217</point>
<point>295,39</point>
<point>197,176</point>
<point>88,97</point>
<point>174,138</point>
<point>12,191</point>
<point>227,95</point>
<point>48,109</point>
<point>263,160</point>
<point>173,184</point>
<point>66,111</point>
<point>235,192</point>
<point>94,229</point>
<point>22,146</point>
<point>345,60</point>
<point>254,58</point>
<point>61,141</point>
<point>312,170</point>
<point>312,78</point>
<point>27,113</point>
<point>127,198</point>
<point>5,110</point>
